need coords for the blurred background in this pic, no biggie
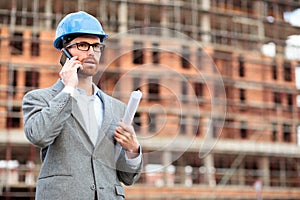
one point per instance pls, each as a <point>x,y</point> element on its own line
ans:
<point>219,118</point>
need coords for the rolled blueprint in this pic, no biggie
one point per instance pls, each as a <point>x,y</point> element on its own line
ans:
<point>132,106</point>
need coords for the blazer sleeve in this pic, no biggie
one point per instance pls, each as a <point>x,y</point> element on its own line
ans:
<point>44,115</point>
<point>126,173</point>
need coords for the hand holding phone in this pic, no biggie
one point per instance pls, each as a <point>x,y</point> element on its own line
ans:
<point>65,54</point>
<point>67,74</point>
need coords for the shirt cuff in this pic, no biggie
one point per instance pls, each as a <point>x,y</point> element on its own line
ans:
<point>134,162</point>
<point>69,89</point>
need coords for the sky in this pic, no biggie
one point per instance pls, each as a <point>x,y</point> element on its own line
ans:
<point>293,43</point>
<point>292,50</point>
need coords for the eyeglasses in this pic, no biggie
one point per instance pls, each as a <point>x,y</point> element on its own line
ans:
<point>84,46</point>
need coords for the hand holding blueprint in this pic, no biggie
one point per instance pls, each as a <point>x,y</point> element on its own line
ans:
<point>132,106</point>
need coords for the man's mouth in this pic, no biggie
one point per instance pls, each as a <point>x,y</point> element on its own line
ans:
<point>90,61</point>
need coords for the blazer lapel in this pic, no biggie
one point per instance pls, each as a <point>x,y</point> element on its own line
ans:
<point>83,135</point>
<point>109,124</point>
<point>76,114</point>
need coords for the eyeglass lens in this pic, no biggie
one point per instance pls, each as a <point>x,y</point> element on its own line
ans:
<point>84,46</point>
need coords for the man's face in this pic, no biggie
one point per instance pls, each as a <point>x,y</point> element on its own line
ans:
<point>89,59</point>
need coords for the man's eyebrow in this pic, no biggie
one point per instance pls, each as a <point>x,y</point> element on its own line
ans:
<point>88,42</point>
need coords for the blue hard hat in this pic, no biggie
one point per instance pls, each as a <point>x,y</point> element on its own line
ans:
<point>78,23</point>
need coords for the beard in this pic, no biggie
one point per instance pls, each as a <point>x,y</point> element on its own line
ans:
<point>86,72</point>
<point>90,67</point>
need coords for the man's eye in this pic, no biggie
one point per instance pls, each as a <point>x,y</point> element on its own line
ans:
<point>83,45</point>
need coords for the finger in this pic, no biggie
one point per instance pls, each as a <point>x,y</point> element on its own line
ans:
<point>121,135</point>
<point>122,124</point>
<point>120,139</point>
<point>74,58</point>
<point>126,127</point>
<point>119,129</point>
<point>78,66</point>
<point>70,62</point>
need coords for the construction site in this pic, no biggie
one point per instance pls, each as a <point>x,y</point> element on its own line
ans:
<point>219,117</point>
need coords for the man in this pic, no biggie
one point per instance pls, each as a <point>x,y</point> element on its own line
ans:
<point>86,150</point>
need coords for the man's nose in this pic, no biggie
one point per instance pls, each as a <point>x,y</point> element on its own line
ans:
<point>91,51</point>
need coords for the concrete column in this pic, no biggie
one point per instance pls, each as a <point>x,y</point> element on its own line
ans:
<point>4,55</point>
<point>205,22</point>
<point>258,8</point>
<point>164,18</point>
<point>170,175</point>
<point>48,13</point>
<point>103,12</point>
<point>35,27</point>
<point>177,13</point>
<point>188,176</point>
<point>210,170</point>
<point>209,128</point>
<point>80,4</point>
<point>241,175</point>
<point>264,168</point>
<point>282,172</point>
<point>123,15</point>
<point>166,161</point>
<point>26,43</point>
<point>194,19</point>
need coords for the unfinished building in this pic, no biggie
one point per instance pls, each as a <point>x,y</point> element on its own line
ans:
<point>219,117</point>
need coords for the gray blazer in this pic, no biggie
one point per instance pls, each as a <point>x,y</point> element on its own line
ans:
<point>72,168</point>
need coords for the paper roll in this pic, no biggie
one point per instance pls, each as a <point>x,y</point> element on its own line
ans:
<point>132,106</point>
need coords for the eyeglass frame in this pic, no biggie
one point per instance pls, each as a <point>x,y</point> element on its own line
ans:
<point>102,46</point>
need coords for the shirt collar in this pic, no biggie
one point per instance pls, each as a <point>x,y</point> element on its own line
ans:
<point>96,90</point>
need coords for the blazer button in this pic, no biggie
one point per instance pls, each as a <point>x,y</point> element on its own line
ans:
<point>93,187</point>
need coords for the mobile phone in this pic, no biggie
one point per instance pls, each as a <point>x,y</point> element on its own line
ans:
<point>65,54</point>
